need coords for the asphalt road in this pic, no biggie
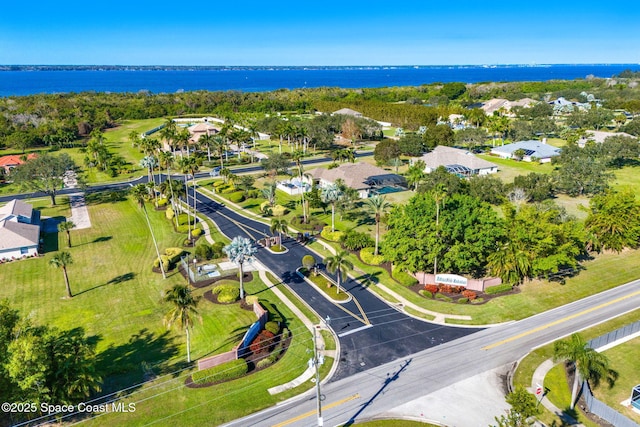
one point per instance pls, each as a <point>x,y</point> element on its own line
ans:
<point>382,388</point>
<point>371,332</point>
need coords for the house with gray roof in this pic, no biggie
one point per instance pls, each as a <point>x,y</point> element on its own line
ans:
<point>19,230</point>
<point>532,150</point>
<point>367,179</point>
<point>458,161</point>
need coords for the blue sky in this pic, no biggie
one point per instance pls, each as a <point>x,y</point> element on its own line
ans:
<point>326,32</point>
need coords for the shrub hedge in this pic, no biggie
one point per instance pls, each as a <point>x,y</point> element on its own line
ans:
<point>425,293</point>
<point>463,300</point>
<point>367,256</point>
<point>403,277</point>
<point>505,287</point>
<point>196,232</point>
<point>332,236</point>
<point>236,196</point>
<point>169,213</point>
<point>355,240</point>
<point>227,294</point>
<point>223,372</point>
<point>272,327</point>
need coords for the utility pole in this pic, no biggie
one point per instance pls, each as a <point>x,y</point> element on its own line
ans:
<point>316,364</point>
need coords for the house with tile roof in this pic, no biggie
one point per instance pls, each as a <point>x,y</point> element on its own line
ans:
<point>363,177</point>
<point>9,162</point>
<point>455,160</point>
<point>19,230</point>
<point>532,150</point>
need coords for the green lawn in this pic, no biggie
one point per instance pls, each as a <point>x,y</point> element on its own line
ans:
<point>624,359</point>
<point>508,169</point>
<point>118,299</point>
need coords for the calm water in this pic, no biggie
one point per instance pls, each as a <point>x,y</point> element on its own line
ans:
<point>258,80</point>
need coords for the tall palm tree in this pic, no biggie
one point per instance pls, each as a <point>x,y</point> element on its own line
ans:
<point>239,250</point>
<point>140,194</point>
<point>168,132</point>
<point>331,194</point>
<point>377,206</point>
<point>207,141</point>
<point>279,225</point>
<point>66,226</point>
<point>220,146</point>
<point>189,165</point>
<point>592,366</point>
<point>340,265</point>
<point>182,139</point>
<point>62,260</point>
<point>183,309</point>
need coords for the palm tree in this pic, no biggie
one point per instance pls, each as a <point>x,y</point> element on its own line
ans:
<point>340,265</point>
<point>207,141</point>
<point>377,206</point>
<point>280,226</point>
<point>220,145</point>
<point>511,262</point>
<point>140,194</point>
<point>168,132</point>
<point>331,194</point>
<point>415,174</point>
<point>62,260</point>
<point>190,165</point>
<point>66,227</point>
<point>238,251</point>
<point>183,308</point>
<point>269,192</point>
<point>592,366</point>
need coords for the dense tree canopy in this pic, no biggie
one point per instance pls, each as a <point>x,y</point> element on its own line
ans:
<point>468,231</point>
<point>614,220</point>
<point>44,173</point>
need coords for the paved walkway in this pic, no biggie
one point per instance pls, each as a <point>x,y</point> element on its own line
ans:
<point>79,211</point>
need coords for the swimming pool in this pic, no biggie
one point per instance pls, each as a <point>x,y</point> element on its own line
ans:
<point>385,190</point>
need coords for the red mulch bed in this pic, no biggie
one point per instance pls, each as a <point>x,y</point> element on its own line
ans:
<point>455,297</point>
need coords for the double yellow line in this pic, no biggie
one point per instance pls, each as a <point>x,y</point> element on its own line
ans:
<point>557,322</point>
<point>308,414</point>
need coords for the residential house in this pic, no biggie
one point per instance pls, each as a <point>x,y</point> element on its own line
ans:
<point>531,150</point>
<point>458,161</point>
<point>363,177</point>
<point>9,162</point>
<point>497,104</point>
<point>599,136</point>
<point>19,230</point>
<point>199,130</point>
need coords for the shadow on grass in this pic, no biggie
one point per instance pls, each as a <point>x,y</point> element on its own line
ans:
<point>102,239</point>
<point>50,242</point>
<point>118,279</point>
<point>235,336</point>
<point>366,280</point>
<point>109,196</point>
<point>140,359</point>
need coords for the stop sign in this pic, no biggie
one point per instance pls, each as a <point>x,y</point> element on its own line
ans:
<point>538,391</point>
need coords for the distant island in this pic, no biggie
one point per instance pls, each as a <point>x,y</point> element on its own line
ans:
<point>267,67</point>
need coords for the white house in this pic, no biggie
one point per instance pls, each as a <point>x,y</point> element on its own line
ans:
<point>532,150</point>
<point>19,230</point>
<point>455,160</point>
<point>599,136</point>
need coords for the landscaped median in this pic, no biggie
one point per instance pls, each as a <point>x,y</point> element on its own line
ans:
<point>325,285</point>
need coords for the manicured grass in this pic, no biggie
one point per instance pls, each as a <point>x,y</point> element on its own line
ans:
<point>118,299</point>
<point>508,169</point>
<point>624,359</point>
<point>328,287</point>
<point>556,382</point>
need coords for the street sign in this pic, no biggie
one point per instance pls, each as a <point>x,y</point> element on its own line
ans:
<point>538,390</point>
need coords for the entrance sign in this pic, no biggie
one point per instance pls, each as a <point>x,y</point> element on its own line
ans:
<point>451,279</point>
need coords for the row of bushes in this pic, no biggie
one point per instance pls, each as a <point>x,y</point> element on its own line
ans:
<point>505,287</point>
<point>206,251</point>
<point>355,240</point>
<point>332,236</point>
<point>263,342</point>
<point>223,372</point>
<point>169,259</point>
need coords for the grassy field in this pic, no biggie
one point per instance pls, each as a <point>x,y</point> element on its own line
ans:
<point>118,300</point>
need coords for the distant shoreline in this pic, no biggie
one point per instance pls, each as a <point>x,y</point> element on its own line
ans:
<point>283,67</point>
